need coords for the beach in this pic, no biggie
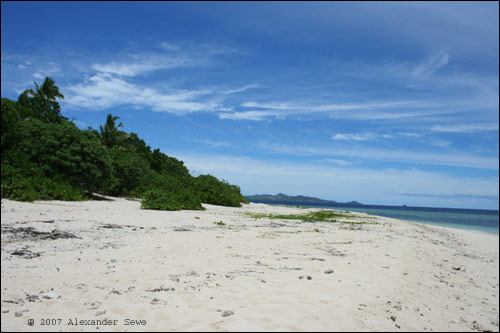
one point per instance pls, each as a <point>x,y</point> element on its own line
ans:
<point>111,266</point>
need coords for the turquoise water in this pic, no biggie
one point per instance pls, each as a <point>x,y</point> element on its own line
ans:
<point>469,219</point>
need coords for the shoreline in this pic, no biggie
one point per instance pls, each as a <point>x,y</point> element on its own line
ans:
<point>223,269</point>
<point>454,226</point>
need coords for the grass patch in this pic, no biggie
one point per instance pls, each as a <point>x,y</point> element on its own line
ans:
<point>319,216</point>
<point>220,223</point>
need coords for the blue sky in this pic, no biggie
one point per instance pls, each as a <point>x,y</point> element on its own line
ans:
<point>384,103</point>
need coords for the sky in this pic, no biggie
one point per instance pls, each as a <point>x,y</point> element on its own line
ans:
<point>385,103</point>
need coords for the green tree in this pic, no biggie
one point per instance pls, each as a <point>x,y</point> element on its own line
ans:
<point>111,136</point>
<point>10,115</point>
<point>60,150</point>
<point>42,102</point>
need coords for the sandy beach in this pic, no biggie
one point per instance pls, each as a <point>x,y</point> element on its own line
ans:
<point>233,269</point>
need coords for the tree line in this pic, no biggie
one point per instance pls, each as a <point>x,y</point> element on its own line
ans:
<point>45,156</point>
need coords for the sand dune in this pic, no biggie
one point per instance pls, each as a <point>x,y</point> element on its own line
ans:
<point>225,270</point>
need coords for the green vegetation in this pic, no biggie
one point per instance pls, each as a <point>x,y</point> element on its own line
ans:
<point>220,223</point>
<point>45,156</point>
<point>318,216</point>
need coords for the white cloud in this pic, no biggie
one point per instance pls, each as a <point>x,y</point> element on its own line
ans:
<point>237,90</point>
<point>370,110</point>
<point>343,184</point>
<point>465,128</point>
<point>434,64</point>
<point>372,136</point>
<point>38,76</point>
<point>249,115</point>
<point>339,162</point>
<point>21,66</point>
<point>170,46</point>
<point>105,90</point>
<point>390,155</point>
<point>137,67</point>
<point>354,136</point>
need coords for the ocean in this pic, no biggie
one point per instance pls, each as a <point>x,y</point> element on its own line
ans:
<point>469,219</point>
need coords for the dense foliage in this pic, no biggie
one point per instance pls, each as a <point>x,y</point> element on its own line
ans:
<point>45,156</point>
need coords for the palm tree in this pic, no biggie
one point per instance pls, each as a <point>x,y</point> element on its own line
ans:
<point>110,134</point>
<point>48,91</point>
<point>43,99</point>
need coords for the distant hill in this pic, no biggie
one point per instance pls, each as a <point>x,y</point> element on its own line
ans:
<point>283,199</point>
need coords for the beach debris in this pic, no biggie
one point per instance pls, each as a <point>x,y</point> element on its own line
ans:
<point>393,318</point>
<point>113,260</point>
<point>110,226</point>
<point>456,268</point>
<point>116,292</point>
<point>51,295</point>
<point>17,301</point>
<point>26,254</point>
<point>32,298</point>
<point>182,229</point>
<point>100,313</point>
<point>33,234</point>
<point>309,277</point>
<point>317,259</point>
<point>155,290</point>
<point>46,221</point>
<point>5,310</point>
<point>95,305</point>
<point>18,314</point>
<point>329,271</point>
<point>334,252</point>
<point>227,313</point>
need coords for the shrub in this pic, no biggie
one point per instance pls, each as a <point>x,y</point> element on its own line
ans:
<point>16,186</point>
<point>169,200</point>
<point>216,192</point>
<point>60,150</point>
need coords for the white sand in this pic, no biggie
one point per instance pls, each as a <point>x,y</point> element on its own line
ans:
<point>178,271</point>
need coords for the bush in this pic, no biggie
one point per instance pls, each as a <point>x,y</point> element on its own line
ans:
<point>216,192</point>
<point>129,172</point>
<point>60,150</point>
<point>22,187</point>
<point>169,200</point>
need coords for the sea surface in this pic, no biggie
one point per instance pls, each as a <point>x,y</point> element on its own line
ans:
<point>469,219</point>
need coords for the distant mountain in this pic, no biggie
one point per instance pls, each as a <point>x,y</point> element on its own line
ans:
<point>283,199</point>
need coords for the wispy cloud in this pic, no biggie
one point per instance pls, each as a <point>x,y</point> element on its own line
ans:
<point>339,162</point>
<point>465,128</point>
<point>493,198</point>
<point>358,111</point>
<point>249,115</point>
<point>354,136</point>
<point>389,155</point>
<point>324,181</point>
<point>238,90</point>
<point>369,136</point>
<point>435,63</point>
<point>103,91</point>
<point>136,67</point>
